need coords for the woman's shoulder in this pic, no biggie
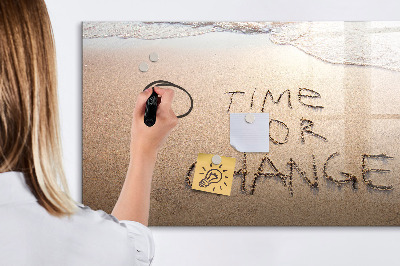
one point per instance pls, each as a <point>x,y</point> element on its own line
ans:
<point>138,236</point>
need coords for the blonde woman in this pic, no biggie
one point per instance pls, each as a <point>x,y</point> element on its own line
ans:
<point>39,222</point>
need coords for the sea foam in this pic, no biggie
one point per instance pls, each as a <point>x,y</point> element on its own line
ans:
<point>354,43</point>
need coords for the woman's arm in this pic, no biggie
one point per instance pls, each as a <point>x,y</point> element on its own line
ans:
<point>134,201</point>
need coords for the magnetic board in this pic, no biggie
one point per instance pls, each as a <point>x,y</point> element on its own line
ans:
<point>332,93</point>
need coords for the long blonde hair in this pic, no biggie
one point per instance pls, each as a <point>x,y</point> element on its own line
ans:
<point>29,123</point>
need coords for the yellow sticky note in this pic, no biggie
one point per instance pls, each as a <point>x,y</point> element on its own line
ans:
<point>214,178</point>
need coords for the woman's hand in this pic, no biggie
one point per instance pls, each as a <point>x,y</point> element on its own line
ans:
<point>134,201</point>
<point>146,139</point>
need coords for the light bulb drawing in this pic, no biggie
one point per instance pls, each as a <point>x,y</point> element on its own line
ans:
<point>213,176</point>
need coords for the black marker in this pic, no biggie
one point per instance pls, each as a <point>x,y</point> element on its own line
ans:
<point>151,109</point>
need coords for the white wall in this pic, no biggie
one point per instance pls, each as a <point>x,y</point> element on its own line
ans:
<point>237,245</point>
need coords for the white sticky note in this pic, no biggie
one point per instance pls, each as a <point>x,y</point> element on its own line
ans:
<point>249,137</point>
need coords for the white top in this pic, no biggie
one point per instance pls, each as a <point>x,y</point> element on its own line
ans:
<point>29,235</point>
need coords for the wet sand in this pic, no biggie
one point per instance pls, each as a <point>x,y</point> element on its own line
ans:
<point>360,116</point>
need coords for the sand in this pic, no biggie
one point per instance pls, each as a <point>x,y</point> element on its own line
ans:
<point>360,116</point>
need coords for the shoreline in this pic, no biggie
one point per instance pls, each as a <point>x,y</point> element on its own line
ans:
<point>273,40</point>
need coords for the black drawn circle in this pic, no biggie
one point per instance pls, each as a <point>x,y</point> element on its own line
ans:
<point>161,83</point>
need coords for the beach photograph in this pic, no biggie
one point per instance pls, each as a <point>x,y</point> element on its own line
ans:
<point>332,92</point>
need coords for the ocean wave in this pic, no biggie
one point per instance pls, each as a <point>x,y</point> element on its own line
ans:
<point>165,30</point>
<point>354,43</point>
<point>351,43</point>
